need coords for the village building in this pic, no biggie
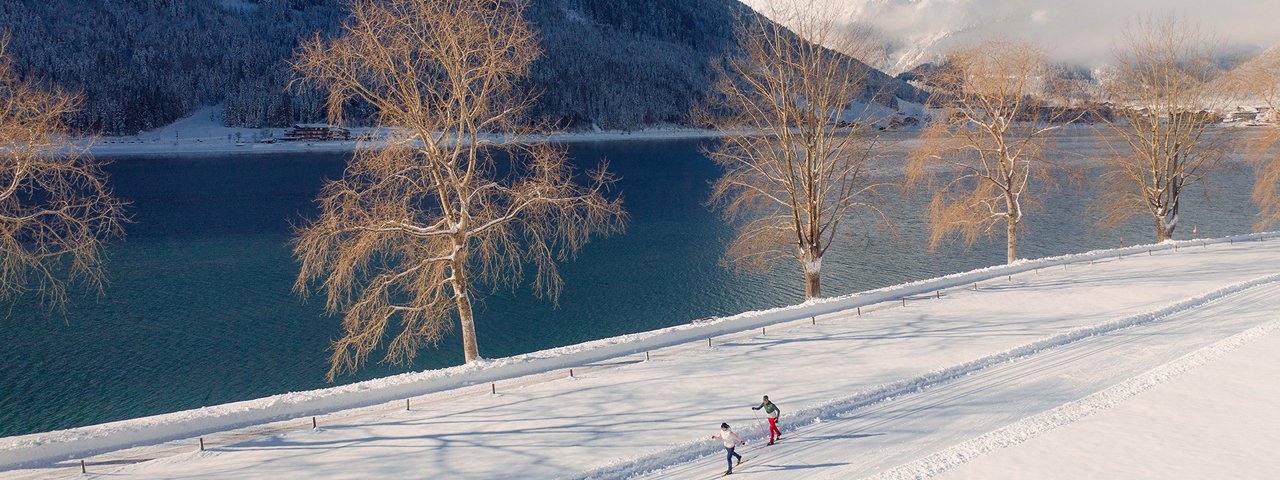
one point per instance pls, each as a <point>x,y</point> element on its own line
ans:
<point>316,132</point>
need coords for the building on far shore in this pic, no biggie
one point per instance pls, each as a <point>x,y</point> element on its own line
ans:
<point>1252,115</point>
<point>316,131</point>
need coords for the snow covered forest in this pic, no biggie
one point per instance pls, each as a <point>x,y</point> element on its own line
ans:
<point>142,64</point>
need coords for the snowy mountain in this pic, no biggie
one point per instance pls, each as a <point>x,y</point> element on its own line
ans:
<point>143,64</point>
<point>1077,32</point>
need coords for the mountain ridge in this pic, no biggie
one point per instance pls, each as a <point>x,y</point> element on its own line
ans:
<point>610,64</point>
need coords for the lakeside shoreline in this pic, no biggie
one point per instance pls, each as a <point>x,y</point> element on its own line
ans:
<point>224,144</point>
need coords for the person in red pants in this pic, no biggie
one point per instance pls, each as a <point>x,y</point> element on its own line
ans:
<point>772,411</point>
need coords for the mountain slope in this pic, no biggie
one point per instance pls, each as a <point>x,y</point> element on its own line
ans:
<point>142,64</point>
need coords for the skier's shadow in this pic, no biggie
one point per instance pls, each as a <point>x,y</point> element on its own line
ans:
<point>808,438</point>
<point>768,467</point>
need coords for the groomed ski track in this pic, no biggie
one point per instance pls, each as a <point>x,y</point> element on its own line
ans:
<point>1031,390</point>
<point>861,394</point>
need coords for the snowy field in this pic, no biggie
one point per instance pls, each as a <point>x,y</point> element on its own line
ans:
<point>1154,362</point>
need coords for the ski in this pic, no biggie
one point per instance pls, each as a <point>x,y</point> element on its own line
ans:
<point>740,462</point>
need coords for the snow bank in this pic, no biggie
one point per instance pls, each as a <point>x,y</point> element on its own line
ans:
<point>44,448</point>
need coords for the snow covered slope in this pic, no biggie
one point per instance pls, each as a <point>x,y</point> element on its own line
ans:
<point>912,379</point>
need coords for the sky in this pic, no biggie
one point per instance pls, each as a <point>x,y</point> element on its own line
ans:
<point>1082,32</point>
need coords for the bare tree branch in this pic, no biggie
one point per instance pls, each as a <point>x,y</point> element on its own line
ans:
<point>1165,95</point>
<point>796,148</point>
<point>998,103</point>
<point>1259,79</point>
<point>56,209</point>
<point>407,233</point>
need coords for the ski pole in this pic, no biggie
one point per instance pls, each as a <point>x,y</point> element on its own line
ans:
<point>764,432</point>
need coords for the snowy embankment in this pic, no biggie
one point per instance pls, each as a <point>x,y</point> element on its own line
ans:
<point>928,366</point>
<point>202,133</point>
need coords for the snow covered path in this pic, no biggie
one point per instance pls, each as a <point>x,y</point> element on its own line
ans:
<point>1216,419</point>
<point>859,374</point>
<point>899,430</point>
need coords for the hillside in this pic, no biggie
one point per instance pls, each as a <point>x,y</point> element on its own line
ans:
<point>612,64</point>
<point>1086,351</point>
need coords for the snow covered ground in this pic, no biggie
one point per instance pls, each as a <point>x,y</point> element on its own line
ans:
<point>202,133</point>
<point>1157,361</point>
<point>1216,420</point>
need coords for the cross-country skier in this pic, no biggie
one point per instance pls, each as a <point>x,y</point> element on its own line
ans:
<point>772,411</point>
<point>730,440</point>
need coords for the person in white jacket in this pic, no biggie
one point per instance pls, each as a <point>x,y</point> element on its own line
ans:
<point>730,440</point>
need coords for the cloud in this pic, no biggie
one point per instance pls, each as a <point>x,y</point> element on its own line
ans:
<point>1076,31</point>
<point>1040,17</point>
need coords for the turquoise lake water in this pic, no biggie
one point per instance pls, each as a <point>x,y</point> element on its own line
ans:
<point>199,310</point>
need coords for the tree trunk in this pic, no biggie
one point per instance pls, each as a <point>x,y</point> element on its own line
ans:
<point>1165,225</point>
<point>812,288</point>
<point>1012,247</point>
<point>465,316</point>
<point>1162,232</point>
<point>811,263</point>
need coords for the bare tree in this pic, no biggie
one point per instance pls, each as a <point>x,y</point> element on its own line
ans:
<point>795,149</point>
<point>998,103</point>
<point>1259,79</point>
<point>1165,93</point>
<point>412,226</point>
<point>56,209</point>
